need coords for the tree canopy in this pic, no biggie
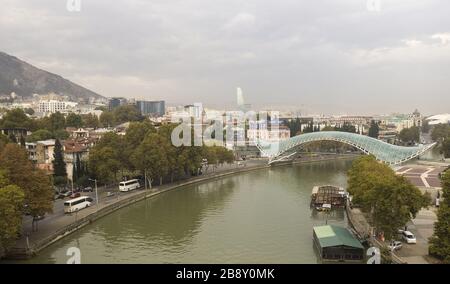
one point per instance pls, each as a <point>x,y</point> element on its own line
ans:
<point>11,203</point>
<point>440,241</point>
<point>410,135</point>
<point>374,129</point>
<point>391,200</point>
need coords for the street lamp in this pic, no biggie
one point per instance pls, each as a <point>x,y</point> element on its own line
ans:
<point>96,191</point>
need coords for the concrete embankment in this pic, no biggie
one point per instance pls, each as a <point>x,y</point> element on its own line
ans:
<point>67,224</point>
<point>361,226</point>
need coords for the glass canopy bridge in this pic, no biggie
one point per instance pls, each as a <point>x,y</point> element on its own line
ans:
<point>286,150</point>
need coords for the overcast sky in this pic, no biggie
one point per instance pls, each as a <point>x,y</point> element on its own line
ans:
<point>323,56</point>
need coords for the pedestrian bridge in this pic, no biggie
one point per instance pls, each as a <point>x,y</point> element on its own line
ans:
<point>390,154</point>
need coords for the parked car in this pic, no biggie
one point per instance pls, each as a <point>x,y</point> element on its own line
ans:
<point>110,193</point>
<point>395,245</point>
<point>408,237</point>
<point>88,189</point>
<point>75,195</point>
<point>66,193</point>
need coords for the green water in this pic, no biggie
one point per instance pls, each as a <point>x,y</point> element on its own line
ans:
<point>256,217</point>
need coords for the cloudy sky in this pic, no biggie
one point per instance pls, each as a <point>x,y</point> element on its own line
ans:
<point>322,56</point>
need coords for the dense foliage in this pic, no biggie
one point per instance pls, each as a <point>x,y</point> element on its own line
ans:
<point>23,189</point>
<point>440,241</point>
<point>441,134</point>
<point>410,135</point>
<point>374,129</point>
<point>389,199</point>
<point>148,152</point>
<point>59,166</point>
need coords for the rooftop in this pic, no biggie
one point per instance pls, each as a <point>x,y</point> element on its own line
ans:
<point>330,236</point>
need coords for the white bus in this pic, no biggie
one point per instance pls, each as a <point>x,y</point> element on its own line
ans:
<point>77,204</point>
<point>129,185</point>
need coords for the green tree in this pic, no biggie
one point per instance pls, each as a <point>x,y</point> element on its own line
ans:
<point>126,113</point>
<point>107,119</point>
<point>35,183</point>
<point>22,141</point>
<point>176,156</point>
<point>440,132</point>
<point>57,121</point>
<point>445,148</point>
<point>12,138</point>
<point>29,111</point>
<point>136,133</point>
<point>150,157</point>
<point>39,135</point>
<point>440,241</point>
<point>104,164</point>
<point>61,134</point>
<point>410,135</point>
<point>3,141</point>
<point>90,120</point>
<point>11,202</point>
<point>15,118</point>
<point>390,200</point>
<point>59,166</point>
<point>374,129</point>
<point>74,120</point>
<point>346,127</point>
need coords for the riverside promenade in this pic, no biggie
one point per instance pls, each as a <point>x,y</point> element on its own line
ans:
<point>58,225</point>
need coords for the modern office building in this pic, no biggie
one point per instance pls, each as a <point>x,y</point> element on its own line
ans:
<point>152,108</point>
<point>195,110</point>
<point>116,102</point>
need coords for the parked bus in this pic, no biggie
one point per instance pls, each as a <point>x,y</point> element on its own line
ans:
<point>77,204</point>
<point>129,185</point>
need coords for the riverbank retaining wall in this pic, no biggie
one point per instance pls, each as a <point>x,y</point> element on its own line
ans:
<point>32,248</point>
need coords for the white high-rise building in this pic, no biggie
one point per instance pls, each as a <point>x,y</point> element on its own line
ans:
<point>240,97</point>
<point>53,106</point>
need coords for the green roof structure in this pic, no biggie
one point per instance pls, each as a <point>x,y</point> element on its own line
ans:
<point>332,236</point>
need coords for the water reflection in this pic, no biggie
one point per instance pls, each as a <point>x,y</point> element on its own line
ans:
<point>257,217</point>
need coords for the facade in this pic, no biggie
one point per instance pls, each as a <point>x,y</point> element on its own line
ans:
<point>44,154</point>
<point>195,110</point>
<point>17,132</point>
<point>152,108</point>
<point>31,150</point>
<point>53,106</point>
<point>76,150</point>
<point>398,122</point>
<point>116,102</point>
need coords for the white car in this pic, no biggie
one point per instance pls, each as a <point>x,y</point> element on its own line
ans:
<point>395,245</point>
<point>408,237</point>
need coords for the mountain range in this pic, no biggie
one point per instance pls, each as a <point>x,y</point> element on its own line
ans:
<point>26,80</point>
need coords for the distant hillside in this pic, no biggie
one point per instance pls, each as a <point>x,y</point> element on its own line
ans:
<point>25,80</point>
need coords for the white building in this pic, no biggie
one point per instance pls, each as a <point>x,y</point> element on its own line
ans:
<point>53,106</point>
<point>439,119</point>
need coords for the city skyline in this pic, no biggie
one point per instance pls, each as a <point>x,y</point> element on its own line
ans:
<point>324,58</point>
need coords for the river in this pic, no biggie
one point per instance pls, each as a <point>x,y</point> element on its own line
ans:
<point>261,216</point>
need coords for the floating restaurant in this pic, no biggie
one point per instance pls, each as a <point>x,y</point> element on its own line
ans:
<point>337,244</point>
<point>327,197</point>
